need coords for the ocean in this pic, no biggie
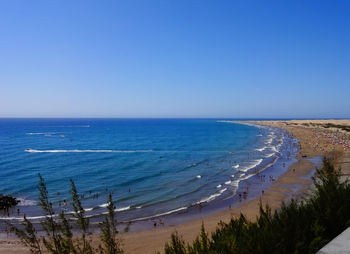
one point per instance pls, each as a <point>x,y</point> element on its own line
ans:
<point>153,167</point>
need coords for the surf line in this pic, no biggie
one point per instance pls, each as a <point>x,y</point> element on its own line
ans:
<point>87,151</point>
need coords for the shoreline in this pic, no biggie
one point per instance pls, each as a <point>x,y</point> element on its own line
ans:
<point>273,168</point>
<point>273,196</point>
<point>283,189</point>
<point>283,148</point>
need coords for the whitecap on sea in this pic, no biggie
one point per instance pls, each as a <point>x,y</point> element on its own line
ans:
<point>26,202</point>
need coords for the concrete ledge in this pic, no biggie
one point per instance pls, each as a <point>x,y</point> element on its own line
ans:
<point>339,245</point>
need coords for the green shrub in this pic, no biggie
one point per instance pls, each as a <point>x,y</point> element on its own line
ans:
<point>59,238</point>
<point>299,227</point>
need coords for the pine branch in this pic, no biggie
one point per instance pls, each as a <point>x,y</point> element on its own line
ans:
<point>111,245</point>
<point>27,236</point>
<point>53,243</point>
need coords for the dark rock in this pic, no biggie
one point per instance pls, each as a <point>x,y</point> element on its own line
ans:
<point>7,201</point>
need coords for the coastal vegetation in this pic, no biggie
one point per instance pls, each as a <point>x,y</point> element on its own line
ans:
<point>337,126</point>
<point>298,227</point>
<point>345,128</point>
<point>58,235</point>
<point>302,226</point>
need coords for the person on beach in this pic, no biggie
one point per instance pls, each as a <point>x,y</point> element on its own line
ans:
<point>200,207</point>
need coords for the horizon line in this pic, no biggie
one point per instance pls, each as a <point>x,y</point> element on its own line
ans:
<point>184,117</point>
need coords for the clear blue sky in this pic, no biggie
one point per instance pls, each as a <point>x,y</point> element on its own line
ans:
<point>172,58</point>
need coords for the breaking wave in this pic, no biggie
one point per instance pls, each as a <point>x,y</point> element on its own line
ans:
<point>86,151</point>
<point>161,214</point>
<point>261,149</point>
<point>253,165</point>
<point>26,202</point>
<point>212,197</point>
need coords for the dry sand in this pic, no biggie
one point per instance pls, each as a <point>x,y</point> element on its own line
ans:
<point>315,140</point>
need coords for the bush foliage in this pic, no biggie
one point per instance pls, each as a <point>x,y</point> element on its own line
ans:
<point>58,236</point>
<point>299,227</point>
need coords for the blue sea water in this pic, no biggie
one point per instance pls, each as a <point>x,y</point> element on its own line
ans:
<point>152,166</point>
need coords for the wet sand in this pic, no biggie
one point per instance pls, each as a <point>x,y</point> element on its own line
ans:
<point>283,189</point>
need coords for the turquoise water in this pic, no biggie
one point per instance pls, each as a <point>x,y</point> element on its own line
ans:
<point>152,166</point>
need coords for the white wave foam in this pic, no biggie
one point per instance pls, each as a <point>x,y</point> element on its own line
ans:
<point>55,215</point>
<point>247,177</point>
<point>253,165</point>
<point>212,197</point>
<point>269,141</point>
<point>87,151</point>
<point>273,148</point>
<point>261,149</point>
<point>11,218</point>
<point>236,166</point>
<point>235,184</point>
<point>26,202</point>
<point>117,209</point>
<point>20,218</point>
<point>269,155</point>
<point>43,133</point>
<point>199,176</point>
<point>227,182</point>
<point>122,209</point>
<point>68,126</point>
<point>161,214</point>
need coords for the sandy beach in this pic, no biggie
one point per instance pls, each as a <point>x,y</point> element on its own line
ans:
<point>316,137</point>
<point>174,126</point>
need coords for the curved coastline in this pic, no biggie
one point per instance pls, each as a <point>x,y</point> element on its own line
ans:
<point>208,204</point>
<point>293,183</point>
<point>147,240</point>
<point>214,202</point>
